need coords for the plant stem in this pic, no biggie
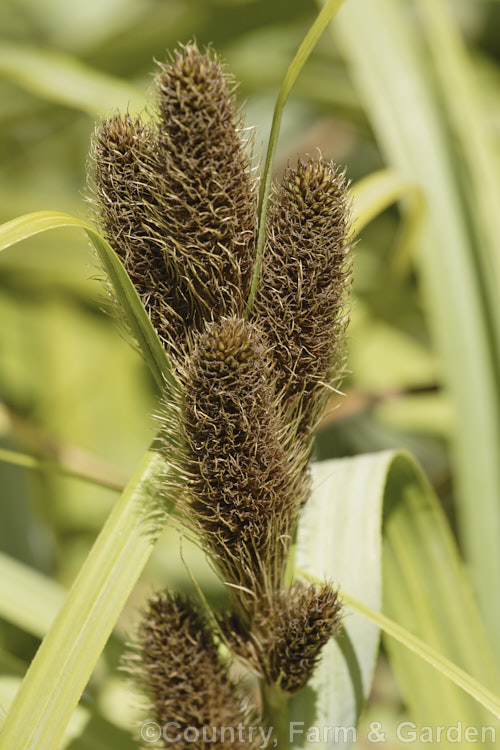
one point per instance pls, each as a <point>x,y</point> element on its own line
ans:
<point>86,474</point>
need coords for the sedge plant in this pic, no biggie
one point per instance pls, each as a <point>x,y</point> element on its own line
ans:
<point>176,200</point>
<point>239,308</point>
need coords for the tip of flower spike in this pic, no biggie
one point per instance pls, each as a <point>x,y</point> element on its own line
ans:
<point>285,639</point>
<point>318,187</point>
<point>230,344</point>
<point>304,623</point>
<point>176,200</point>
<point>193,79</point>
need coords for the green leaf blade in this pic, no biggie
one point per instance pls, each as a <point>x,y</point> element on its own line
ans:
<point>339,539</point>
<point>64,662</point>
<point>137,318</point>
<point>426,593</point>
<point>28,599</point>
<point>381,44</point>
<point>63,79</point>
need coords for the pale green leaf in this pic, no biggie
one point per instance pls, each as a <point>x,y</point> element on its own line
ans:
<point>28,599</point>
<point>64,662</point>
<point>85,731</point>
<point>378,191</point>
<point>63,79</point>
<point>465,111</point>
<point>381,44</point>
<point>138,321</point>
<point>426,590</point>
<point>372,195</point>
<point>457,676</point>
<point>339,539</point>
<point>109,480</point>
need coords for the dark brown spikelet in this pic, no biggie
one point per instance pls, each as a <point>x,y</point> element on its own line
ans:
<point>287,635</point>
<point>123,158</point>
<point>209,194</point>
<point>302,622</point>
<point>126,161</point>
<point>175,663</point>
<point>301,299</point>
<point>243,491</point>
<point>175,198</point>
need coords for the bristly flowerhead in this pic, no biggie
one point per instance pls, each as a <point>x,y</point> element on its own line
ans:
<point>175,198</point>
<point>175,662</point>
<point>211,195</point>
<point>285,640</point>
<point>243,489</point>
<point>301,623</point>
<point>176,201</point>
<point>301,298</point>
<point>125,164</point>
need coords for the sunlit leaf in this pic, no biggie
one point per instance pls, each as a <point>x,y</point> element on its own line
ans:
<point>140,325</point>
<point>64,662</point>
<point>425,587</point>
<point>381,44</point>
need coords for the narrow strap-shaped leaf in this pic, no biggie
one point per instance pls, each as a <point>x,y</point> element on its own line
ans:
<point>339,539</point>
<point>324,17</point>
<point>444,666</point>
<point>64,662</point>
<point>28,599</point>
<point>61,78</point>
<point>382,45</point>
<point>426,591</point>
<point>467,117</point>
<point>373,194</point>
<point>140,325</point>
<point>33,462</point>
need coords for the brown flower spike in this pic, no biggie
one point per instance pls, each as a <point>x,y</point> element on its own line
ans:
<point>175,198</point>
<point>176,201</point>
<point>301,298</point>
<point>301,622</point>
<point>176,661</point>
<point>243,489</point>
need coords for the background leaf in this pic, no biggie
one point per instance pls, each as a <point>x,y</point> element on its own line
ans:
<point>382,47</point>
<point>425,590</point>
<point>64,662</point>
<point>28,598</point>
<point>140,325</point>
<point>65,80</point>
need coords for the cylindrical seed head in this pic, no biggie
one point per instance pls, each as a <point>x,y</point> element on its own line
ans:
<point>301,298</point>
<point>244,490</point>
<point>175,663</point>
